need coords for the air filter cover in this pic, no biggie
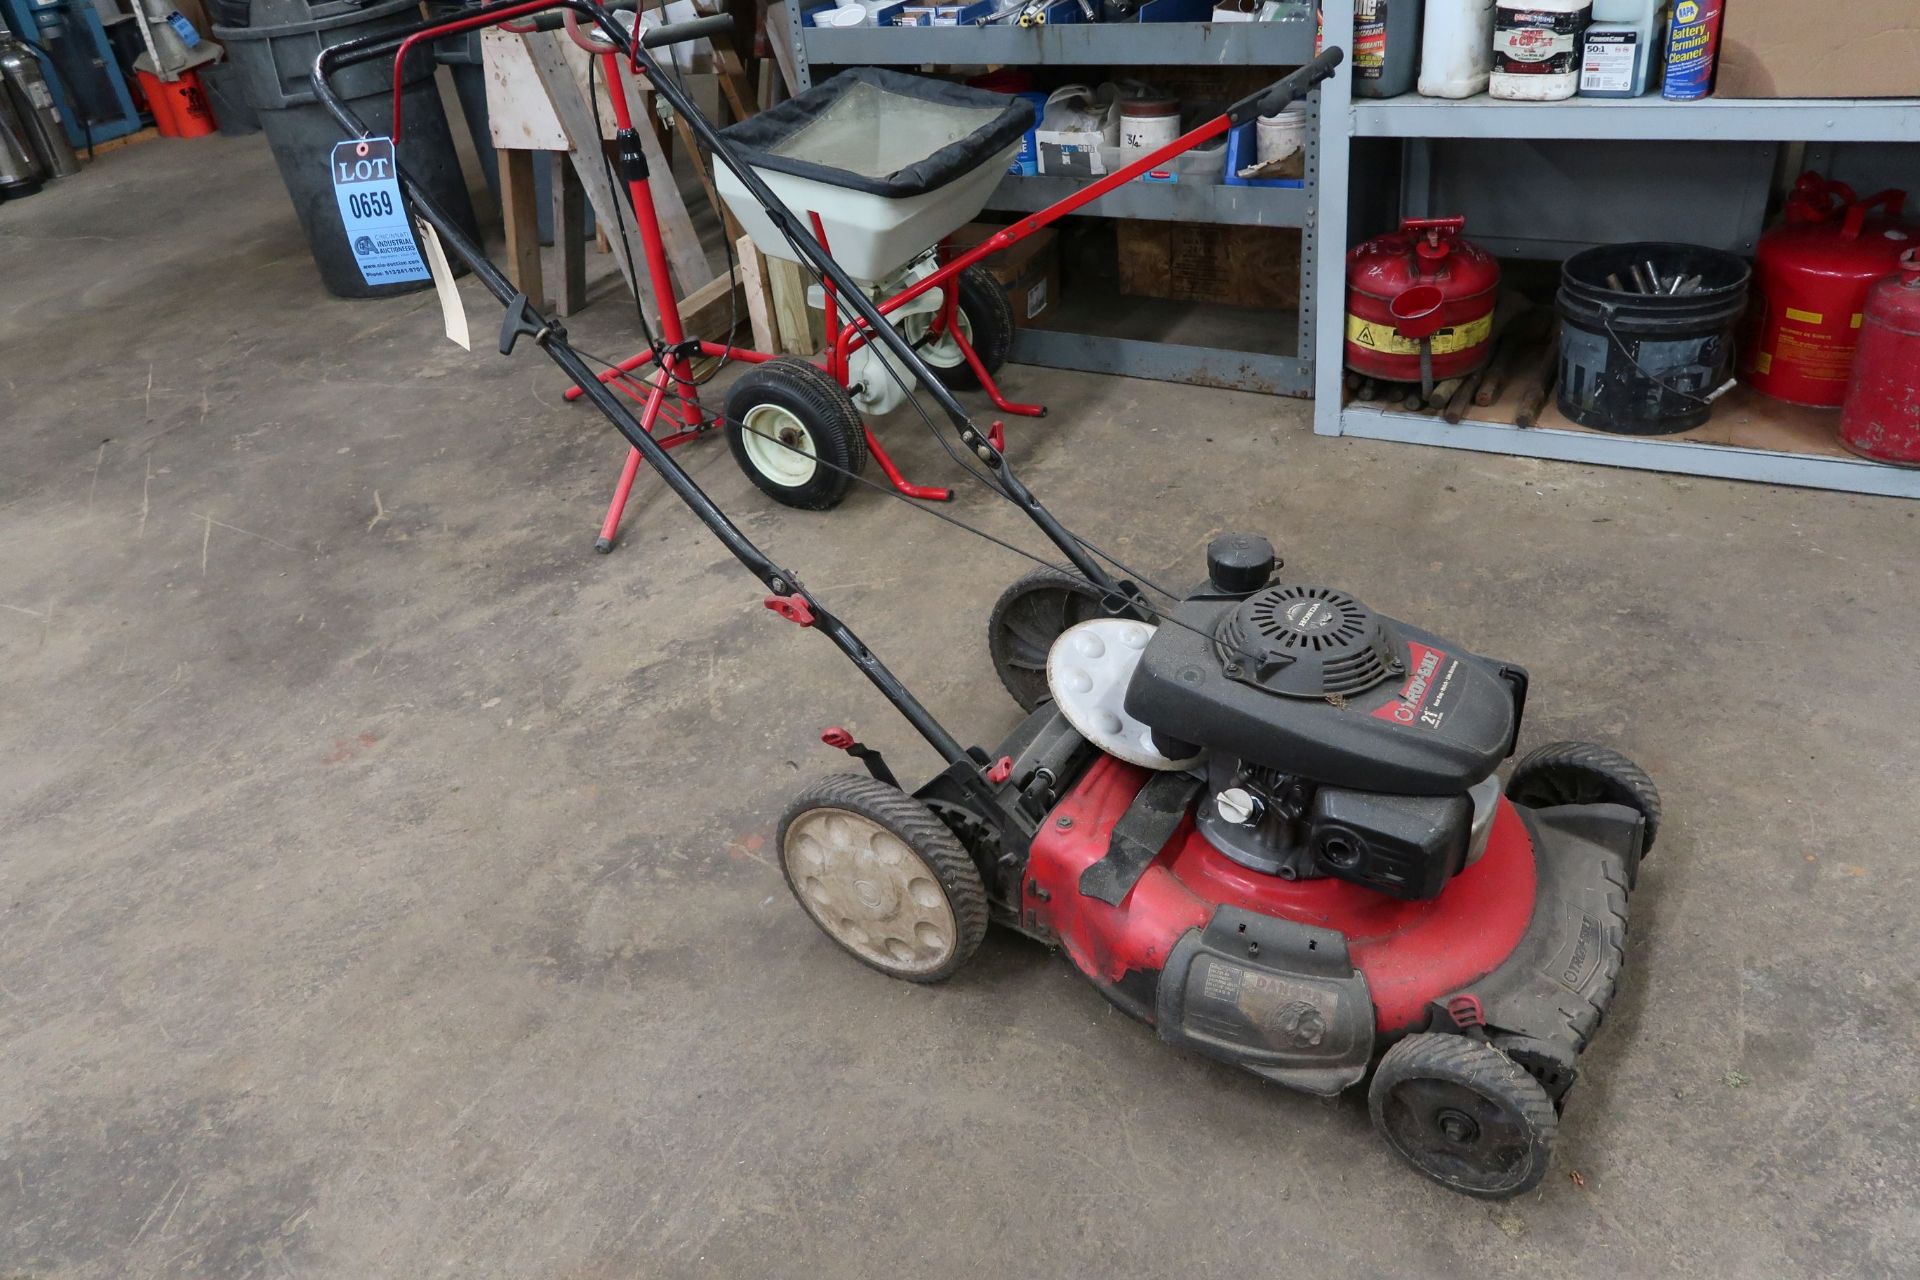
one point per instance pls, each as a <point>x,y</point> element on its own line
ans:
<point>1306,642</point>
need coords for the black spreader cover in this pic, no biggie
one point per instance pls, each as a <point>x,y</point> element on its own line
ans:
<point>757,137</point>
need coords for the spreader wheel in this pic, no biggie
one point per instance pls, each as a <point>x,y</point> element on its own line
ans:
<point>1027,618</point>
<point>1585,773</point>
<point>986,321</point>
<point>1465,1114</point>
<point>795,433</point>
<point>883,877</point>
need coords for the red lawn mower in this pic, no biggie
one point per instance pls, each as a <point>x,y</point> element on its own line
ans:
<point>1258,816</point>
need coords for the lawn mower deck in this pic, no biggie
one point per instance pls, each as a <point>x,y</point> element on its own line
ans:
<point>1294,880</point>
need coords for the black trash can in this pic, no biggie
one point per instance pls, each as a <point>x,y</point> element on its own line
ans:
<point>275,52</point>
<point>227,97</point>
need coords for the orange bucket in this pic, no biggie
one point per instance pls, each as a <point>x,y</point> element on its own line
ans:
<point>155,92</point>
<point>180,107</point>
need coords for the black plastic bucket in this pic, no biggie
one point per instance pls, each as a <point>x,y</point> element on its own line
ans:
<point>1647,364</point>
<point>275,54</point>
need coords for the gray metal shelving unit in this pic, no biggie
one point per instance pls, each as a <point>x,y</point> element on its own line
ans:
<point>1822,123</point>
<point>1194,44</point>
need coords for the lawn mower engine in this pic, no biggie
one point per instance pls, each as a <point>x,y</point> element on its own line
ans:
<point>1270,824</point>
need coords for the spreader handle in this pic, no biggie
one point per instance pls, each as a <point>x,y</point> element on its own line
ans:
<point>1275,97</point>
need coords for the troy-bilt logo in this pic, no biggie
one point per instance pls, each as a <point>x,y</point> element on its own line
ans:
<point>1405,709</point>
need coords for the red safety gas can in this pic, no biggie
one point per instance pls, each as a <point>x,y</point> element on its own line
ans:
<point>1454,283</point>
<point>1811,278</point>
<point>1882,415</point>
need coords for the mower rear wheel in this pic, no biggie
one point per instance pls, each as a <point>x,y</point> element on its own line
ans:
<point>883,877</point>
<point>1585,773</point>
<point>986,321</point>
<point>1027,618</point>
<point>1464,1114</point>
<point>795,433</point>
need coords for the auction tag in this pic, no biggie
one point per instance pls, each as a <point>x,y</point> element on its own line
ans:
<point>371,211</point>
<point>453,313</point>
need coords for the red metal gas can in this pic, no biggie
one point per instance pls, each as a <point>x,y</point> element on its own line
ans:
<point>1882,415</point>
<point>1423,282</point>
<point>1811,278</point>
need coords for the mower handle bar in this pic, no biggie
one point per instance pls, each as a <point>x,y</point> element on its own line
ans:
<point>523,319</point>
<point>1275,97</point>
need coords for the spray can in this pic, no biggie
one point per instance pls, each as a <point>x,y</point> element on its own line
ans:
<point>1693,47</point>
<point>33,103</point>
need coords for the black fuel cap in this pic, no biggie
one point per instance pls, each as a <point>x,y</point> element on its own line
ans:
<point>1240,563</point>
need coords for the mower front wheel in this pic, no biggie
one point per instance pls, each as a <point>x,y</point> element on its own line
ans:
<point>883,877</point>
<point>1464,1114</point>
<point>1586,773</point>
<point>795,433</point>
<point>1027,618</point>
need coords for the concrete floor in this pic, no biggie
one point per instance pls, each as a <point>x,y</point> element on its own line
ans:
<point>384,881</point>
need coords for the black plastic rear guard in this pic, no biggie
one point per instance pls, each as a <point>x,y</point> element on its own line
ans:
<point>1545,1004</point>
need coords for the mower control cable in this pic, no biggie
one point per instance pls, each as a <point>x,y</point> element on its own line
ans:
<point>709,421</point>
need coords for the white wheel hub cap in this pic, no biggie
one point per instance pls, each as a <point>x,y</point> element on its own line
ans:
<point>779,445</point>
<point>943,352</point>
<point>869,891</point>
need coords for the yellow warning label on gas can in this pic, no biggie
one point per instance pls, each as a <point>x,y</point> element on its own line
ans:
<point>1376,336</point>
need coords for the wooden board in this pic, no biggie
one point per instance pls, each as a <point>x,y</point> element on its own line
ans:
<point>520,212</point>
<point>688,260</point>
<point>518,112</point>
<point>753,283</point>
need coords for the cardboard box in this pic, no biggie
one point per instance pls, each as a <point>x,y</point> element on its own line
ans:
<point>1182,262</point>
<point>1784,49</point>
<point>1029,271</point>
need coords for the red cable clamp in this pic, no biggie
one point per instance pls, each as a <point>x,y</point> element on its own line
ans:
<point>1000,770</point>
<point>793,608</point>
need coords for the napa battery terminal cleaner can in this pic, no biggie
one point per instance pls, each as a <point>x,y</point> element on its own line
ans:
<point>1537,46</point>
<point>1693,47</point>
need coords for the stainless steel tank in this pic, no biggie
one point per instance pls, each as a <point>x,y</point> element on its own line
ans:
<point>33,103</point>
<point>19,172</point>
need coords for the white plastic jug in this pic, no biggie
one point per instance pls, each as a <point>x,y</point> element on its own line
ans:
<point>1619,55</point>
<point>1456,49</point>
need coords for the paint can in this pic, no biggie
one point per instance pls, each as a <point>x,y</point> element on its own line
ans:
<point>1282,135</point>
